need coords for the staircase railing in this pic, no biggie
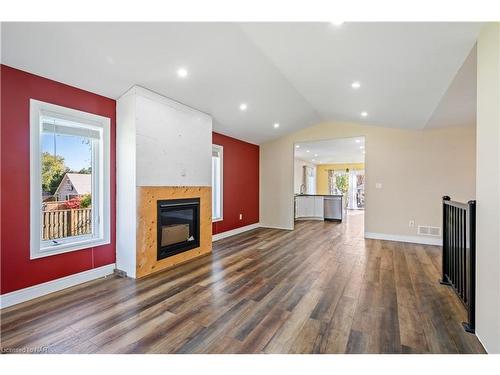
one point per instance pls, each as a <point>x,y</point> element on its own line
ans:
<point>459,254</point>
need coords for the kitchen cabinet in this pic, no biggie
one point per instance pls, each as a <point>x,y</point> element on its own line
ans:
<point>304,206</point>
<point>318,207</point>
<point>309,206</point>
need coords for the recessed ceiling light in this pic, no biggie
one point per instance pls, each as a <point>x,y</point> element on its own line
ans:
<point>358,140</point>
<point>361,147</point>
<point>355,85</point>
<point>364,152</point>
<point>364,114</point>
<point>337,23</point>
<point>313,159</point>
<point>182,72</point>
<point>243,106</point>
<point>297,146</point>
<point>315,154</point>
<point>276,125</point>
<point>308,151</point>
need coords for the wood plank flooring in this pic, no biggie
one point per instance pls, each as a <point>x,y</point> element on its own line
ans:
<point>321,288</point>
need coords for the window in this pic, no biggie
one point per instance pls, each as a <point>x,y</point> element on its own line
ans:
<point>310,179</point>
<point>217,155</point>
<point>351,183</point>
<point>69,179</point>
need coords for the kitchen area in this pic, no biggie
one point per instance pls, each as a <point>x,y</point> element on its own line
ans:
<point>318,207</point>
<point>329,179</point>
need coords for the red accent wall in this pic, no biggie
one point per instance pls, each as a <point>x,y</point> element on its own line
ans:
<point>240,185</point>
<point>17,270</point>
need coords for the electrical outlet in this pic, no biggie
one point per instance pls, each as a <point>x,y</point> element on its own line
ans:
<point>378,185</point>
<point>241,216</point>
<point>411,223</point>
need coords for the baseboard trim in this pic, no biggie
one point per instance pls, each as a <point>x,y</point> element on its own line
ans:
<point>481,342</point>
<point>35,291</point>
<point>275,227</point>
<point>402,238</point>
<point>233,232</point>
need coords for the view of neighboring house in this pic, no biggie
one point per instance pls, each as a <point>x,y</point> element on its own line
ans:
<point>73,185</point>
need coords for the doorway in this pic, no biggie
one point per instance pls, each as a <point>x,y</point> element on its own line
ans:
<point>349,181</point>
<point>329,168</point>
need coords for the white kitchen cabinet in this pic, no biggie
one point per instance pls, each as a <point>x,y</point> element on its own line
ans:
<point>318,207</point>
<point>309,207</point>
<point>304,206</point>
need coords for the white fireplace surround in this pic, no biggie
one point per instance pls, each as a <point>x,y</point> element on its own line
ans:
<point>160,142</point>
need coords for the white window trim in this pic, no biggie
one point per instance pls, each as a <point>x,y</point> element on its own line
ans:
<point>38,109</point>
<point>220,149</point>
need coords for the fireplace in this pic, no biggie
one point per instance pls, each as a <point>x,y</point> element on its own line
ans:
<point>178,226</point>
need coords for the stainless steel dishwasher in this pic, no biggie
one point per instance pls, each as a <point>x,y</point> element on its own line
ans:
<point>333,207</point>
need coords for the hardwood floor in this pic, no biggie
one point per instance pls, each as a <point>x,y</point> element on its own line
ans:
<point>321,288</point>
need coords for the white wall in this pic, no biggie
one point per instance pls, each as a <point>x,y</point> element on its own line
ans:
<point>174,142</point>
<point>126,212</point>
<point>159,143</point>
<point>488,188</point>
<point>416,168</point>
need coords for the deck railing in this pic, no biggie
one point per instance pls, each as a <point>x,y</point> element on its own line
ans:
<point>66,223</point>
<point>459,253</point>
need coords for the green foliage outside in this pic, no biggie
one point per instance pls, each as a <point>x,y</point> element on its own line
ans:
<point>86,170</point>
<point>86,201</point>
<point>53,171</point>
<point>342,182</point>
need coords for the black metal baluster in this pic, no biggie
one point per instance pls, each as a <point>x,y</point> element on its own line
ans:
<point>459,252</point>
<point>454,247</point>
<point>445,257</point>
<point>452,260</point>
<point>459,223</point>
<point>471,287</point>
<point>464,255</point>
<point>457,248</point>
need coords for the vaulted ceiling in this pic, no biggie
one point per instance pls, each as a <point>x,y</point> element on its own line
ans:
<point>293,74</point>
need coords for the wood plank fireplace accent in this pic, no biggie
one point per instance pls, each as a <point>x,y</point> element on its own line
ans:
<point>147,197</point>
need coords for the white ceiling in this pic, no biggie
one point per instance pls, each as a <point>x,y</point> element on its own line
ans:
<point>296,74</point>
<point>458,106</point>
<point>333,151</point>
<point>404,68</point>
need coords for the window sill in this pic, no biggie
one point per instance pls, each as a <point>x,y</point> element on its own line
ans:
<point>215,220</point>
<point>68,247</point>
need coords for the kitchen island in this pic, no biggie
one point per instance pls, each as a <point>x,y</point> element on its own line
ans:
<point>319,207</point>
